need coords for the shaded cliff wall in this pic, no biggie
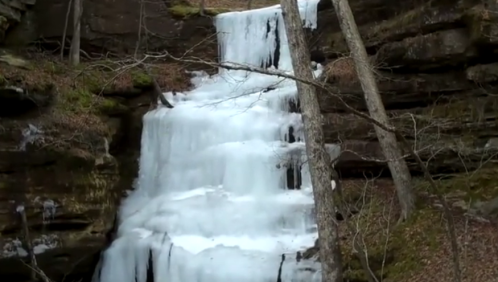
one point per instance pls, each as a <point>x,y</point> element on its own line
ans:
<point>436,66</point>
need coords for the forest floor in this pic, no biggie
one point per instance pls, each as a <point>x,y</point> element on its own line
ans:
<point>419,249</point>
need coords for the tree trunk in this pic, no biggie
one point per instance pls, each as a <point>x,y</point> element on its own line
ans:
<point>202,8</point>
<point>318,158</point>
<point>75,42</point>
<point>397,165</point>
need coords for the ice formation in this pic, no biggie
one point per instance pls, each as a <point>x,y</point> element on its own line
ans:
<point>211,203</point>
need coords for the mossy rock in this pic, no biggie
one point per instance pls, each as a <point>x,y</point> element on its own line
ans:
<point>185,11</point>
<point>111,107</point>
<point>141,80</point>
<point>77,100</point>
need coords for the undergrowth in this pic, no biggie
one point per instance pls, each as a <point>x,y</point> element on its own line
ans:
<point>418,249</point>
<point>82,94</point>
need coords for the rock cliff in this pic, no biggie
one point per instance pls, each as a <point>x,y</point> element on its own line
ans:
<point>70,137</point>
<point>11,13</point>
<point>113,27</point>
<point>435,63</point>
<point>70,141</point>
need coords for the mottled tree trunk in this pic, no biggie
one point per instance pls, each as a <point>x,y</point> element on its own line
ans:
<point>75,42</point>
<point>397,164</point>
<point>318,158</point>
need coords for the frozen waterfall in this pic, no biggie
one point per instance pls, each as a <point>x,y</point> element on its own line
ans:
<point>211,202</point>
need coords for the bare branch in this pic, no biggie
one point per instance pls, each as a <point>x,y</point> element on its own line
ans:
<point>436,190</point>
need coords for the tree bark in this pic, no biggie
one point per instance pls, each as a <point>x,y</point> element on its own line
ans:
<point>318,158</point>
<point>75,42</point>
<point>202,8</point>
<point>397,165</point>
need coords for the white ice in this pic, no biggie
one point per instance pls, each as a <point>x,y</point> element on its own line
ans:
<point>211,203</point>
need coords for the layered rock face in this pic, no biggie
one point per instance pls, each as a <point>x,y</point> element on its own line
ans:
<point>69,145</point>
<point>56,166</point>
<point>70,138</point>
<point>437,71</point>
<point>113,27</point>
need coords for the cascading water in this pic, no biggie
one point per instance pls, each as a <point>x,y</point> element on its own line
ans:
<point>211,203</point>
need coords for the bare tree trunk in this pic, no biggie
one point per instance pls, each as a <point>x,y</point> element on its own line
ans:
<point>318,158</point>
<point>397,165</point>
<point>75,43</point>
<point>64,34</point>
<point>202,8</point>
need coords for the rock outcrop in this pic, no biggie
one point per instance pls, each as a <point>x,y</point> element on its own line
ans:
<point>112,27</point>
<point>69,144</point>
<point>436,69</point>
<point>11,12</point>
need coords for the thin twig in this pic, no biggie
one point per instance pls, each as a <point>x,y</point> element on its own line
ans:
<point>29,246</point>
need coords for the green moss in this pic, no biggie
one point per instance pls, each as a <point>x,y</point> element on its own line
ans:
<point>394,251</point>
<point>111,106</point>
<point>77,100</point>
<point>411,240</point>
<point>52,67</point>
<point>185,11</point>
<point>141,79</point>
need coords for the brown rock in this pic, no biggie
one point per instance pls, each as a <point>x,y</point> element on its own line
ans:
<point>397,90</point>
<point>423,19</point>
<point>69,202</point>
<point>56,163</point>
<point>476,117</point>
<point>441,156</point>
<point>441,48</point>
<point>112,26</point>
